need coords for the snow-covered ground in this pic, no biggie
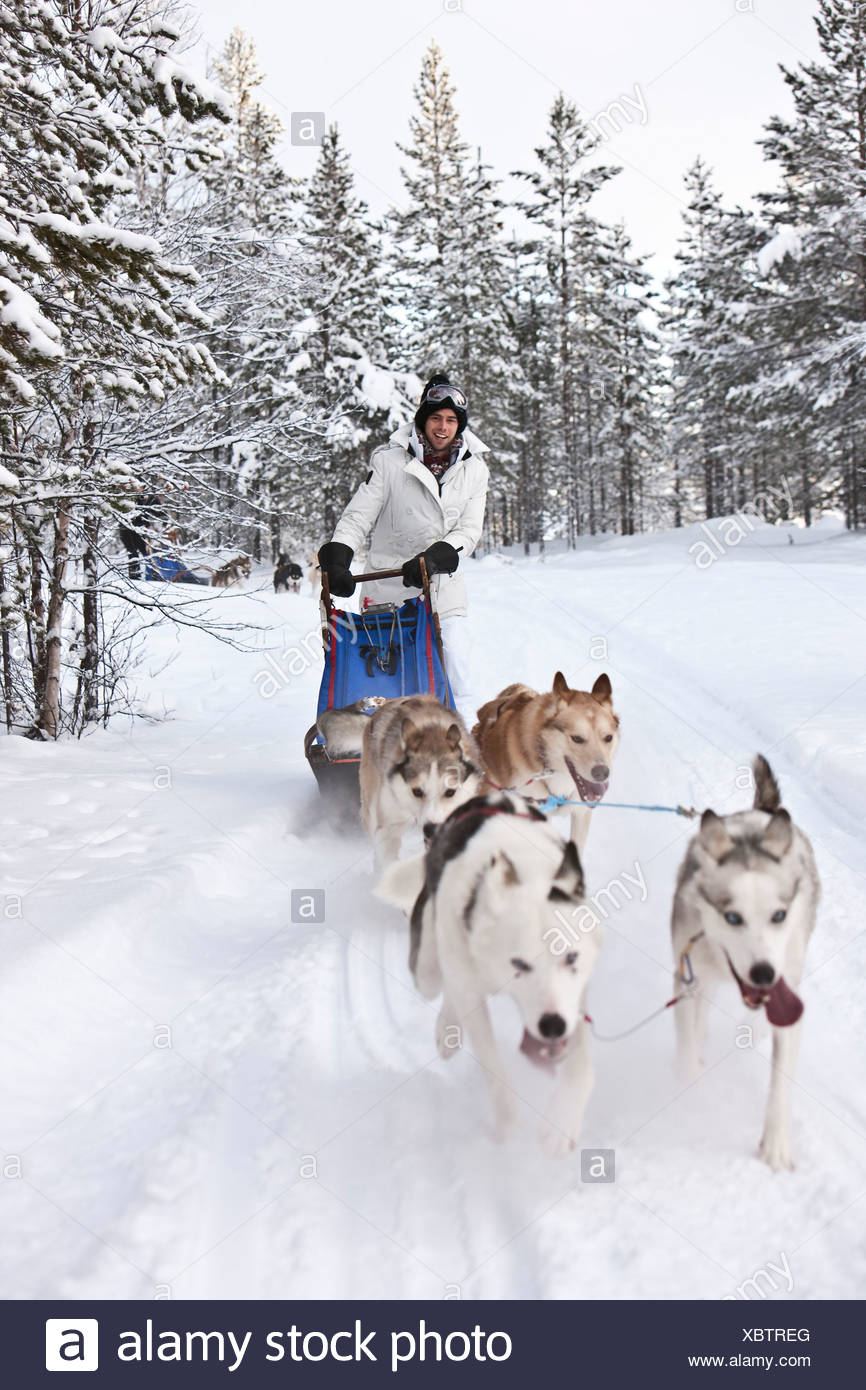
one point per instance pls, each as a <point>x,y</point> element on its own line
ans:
<point>201,1097</point>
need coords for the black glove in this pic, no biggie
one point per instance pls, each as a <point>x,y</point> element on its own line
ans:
<point>440,558</point>
<point>335,560</point>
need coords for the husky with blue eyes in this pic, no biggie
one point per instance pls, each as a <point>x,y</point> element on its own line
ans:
<point>493,907</point>
<point>743,912</point>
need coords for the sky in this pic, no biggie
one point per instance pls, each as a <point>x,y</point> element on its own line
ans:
<point>690,76</point>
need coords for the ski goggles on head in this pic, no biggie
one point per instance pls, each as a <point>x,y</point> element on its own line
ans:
<point>445,393</point>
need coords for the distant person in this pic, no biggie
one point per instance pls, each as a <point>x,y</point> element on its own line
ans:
<point>137,534</point>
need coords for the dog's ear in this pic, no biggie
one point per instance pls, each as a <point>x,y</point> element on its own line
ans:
<point>453,736</point>
<point>560,686</point>
<point>568,881</point>
<point>602,690</point>
<point>776,839</point>
<point>713,835</point>
<point>767,794</point>
<point>408,733</point>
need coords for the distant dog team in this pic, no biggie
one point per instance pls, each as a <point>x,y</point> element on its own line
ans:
<point>232,572</point>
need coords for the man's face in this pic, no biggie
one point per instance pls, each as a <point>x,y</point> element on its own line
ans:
<point>441,430</point>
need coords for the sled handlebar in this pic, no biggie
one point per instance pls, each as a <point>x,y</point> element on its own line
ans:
<point>377,574</point>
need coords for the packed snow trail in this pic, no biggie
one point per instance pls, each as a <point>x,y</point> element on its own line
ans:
<point>204,1098</point>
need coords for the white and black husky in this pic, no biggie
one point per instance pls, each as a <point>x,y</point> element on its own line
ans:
<point>487,915</point>
<point>744,910</point>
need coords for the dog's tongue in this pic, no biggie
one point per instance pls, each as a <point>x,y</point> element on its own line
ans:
<point>589,791</point>
<point>783,1005</point>
<point>540,1052</point>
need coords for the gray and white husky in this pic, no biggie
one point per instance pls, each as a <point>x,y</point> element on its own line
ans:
<point>743,911</point>
<point>486,906</point>
<point>418,762</point>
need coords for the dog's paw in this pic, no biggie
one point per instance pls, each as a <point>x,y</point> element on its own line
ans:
<point>775,1150</point>
<point>556,1142</point>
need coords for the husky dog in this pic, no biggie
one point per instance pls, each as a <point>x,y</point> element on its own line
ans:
<point>231,572</point>
<point>744,909</point>
<point>487,908</point>
<point>417,763</point>
<point>558,744</point>
<point>343,729</point>
<point>287,576</point>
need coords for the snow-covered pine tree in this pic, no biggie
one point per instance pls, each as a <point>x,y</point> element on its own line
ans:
<point>427,235</point>
<point>248,177</point>
<point>93,316</point>
<point>344,335</point>
<point>535,397</point>
<point>568,250</point>
<point>816,264</point>
<point>697,435</point>
<point>485,359</point>
<point>450,267</point>
<point>79,84</point>
<point>740,336</point>
<point>731,447</point>
<point>252,267</point>
<point>629,479</point>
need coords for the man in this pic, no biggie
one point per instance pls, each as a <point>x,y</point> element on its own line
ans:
<point>424,495</point>
<point>135,534</point>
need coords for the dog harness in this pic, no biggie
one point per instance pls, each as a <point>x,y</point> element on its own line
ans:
<point>688,979</point>
<point>551,803</point>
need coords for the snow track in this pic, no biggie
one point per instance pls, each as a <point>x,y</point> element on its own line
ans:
<point>205,1098</point>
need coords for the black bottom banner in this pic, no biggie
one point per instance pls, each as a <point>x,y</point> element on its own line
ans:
<point>427,1344</point>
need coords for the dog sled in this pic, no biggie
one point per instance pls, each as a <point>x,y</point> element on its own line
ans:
<point>167,566</point>
<point>381,653</point>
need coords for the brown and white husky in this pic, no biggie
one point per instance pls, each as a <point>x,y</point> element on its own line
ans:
<point>560,743</point>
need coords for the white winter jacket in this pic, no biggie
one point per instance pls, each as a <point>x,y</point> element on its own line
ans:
<point>403,509</point>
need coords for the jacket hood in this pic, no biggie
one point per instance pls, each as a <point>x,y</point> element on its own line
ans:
<point>404,437</point>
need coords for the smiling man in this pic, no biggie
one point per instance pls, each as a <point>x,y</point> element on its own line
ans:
<point>424,495</point>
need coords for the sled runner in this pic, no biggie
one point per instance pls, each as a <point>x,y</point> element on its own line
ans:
<point>382,653</point>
